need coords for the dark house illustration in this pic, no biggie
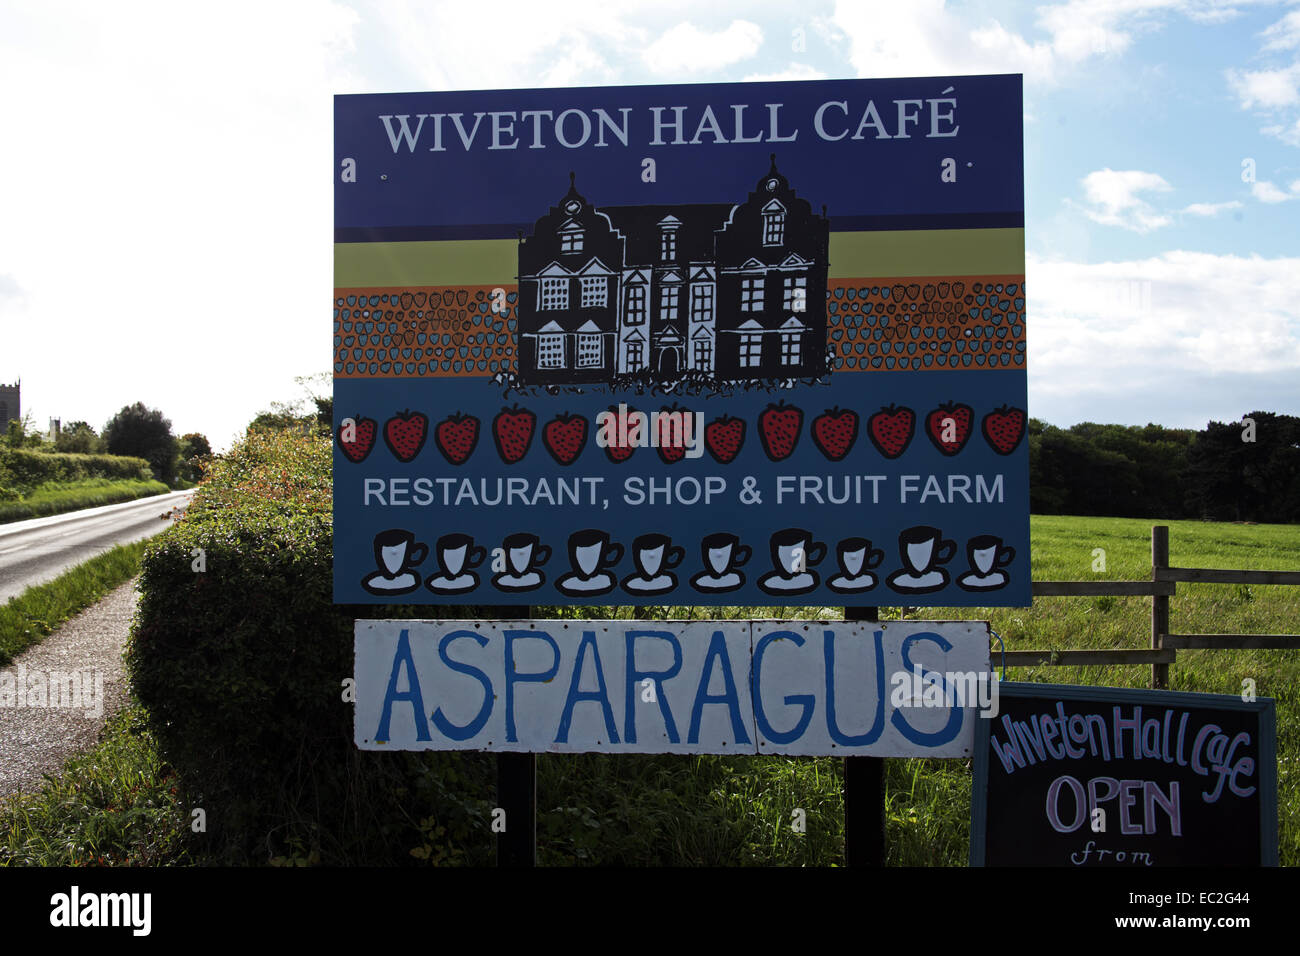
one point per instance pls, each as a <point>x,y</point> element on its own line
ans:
<point>728,291</point>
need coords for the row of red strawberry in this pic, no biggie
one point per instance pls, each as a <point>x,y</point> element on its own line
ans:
<point>834,433</point>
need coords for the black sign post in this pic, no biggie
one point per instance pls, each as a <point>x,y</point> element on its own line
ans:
<point>1078,776</point>
<point>517,794</point>
<point>864,791</point>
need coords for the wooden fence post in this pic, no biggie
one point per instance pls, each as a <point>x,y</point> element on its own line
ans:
<point>1159,603</point>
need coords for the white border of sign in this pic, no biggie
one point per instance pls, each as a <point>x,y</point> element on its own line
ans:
<point>691,687</point>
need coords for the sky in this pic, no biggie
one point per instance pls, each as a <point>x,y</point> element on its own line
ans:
<point>166,178</point>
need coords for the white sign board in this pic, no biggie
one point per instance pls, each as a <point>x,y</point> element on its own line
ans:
<point>806,688</point>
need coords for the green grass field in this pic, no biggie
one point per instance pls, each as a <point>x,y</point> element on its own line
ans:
<point>728,811</point>
<point>55,499</point>
<point>928,801</point>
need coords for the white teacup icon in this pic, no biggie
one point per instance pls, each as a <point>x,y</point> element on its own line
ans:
<point>590,553</point>
<point>987,557</point>
<point>856,558</point>
<point>654,557</point>
<point>457,555</point>
<point>922,548</point>
<point>723,555</point>
<point>396,553</point>
<point>524,554</point>
<point>794,552</point>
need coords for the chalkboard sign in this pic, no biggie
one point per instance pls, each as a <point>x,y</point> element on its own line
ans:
<point>1102,776</point>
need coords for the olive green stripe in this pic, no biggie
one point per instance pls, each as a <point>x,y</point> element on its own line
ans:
<point>927,252</point>
<point>899,254</point>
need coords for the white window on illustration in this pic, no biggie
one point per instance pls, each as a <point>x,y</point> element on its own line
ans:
<point>703,355</point>
<point>668,297</point>
<point>796,294</point>
<point>702,303</point>
<point>550,351</point>
<point>591,351</point>
<point>555,294</point>
<point>636,304</point>
<point>773,228</point>
<point>751,295</point>
<point>632,356</point>
<point>751,350</point>
<point>790,348</point>
<point>668,246</point>
<point>571,241</point>
<point>595,292</point>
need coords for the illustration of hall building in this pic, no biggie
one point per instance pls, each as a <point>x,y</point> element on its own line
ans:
<point>728,291</point>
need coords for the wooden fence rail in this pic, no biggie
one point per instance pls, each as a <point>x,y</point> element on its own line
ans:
<point>1162,586</point>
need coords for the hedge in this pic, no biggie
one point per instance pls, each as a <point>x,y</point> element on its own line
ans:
<point>22,469</point>
<point>241,668</point>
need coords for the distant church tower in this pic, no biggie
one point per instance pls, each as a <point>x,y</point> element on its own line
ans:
<point>11,407</point>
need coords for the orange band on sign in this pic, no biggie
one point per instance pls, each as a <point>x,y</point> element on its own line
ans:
<point>880,323</point>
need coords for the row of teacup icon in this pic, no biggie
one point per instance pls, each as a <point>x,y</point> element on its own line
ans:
<point>923,551</point>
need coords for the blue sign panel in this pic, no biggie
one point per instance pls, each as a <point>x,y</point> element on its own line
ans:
<point>725,344</point>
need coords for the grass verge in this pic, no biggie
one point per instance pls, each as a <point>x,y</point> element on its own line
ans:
<point>61,499</point>
<point>115,805</point>
<point>35,613</point>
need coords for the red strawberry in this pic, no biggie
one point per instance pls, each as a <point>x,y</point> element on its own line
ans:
<point>834,432</point>
<point>671,440</point>
<point>723,438</point>
<point>361,437</point>
<point>778,428</point>
<point>1004,428</point>
<point>564,437</point>
<point>949,427</point>
<point>891,430</point>
<point>404,434</point>
<point>512,430</point>
<point>619,450</point>
<point>456,437</point>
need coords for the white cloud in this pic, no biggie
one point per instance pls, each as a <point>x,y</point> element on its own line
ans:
<point>1148,325</point>
<point>1287,134</point>
<point>1210,208</point>
<point>795,71</point>
<point>1285,34</point>
<point>1266,89</point>
<point>492,45</point>
<point>1113,198</point>
<point>687,48</point>
<point>932,37</point>
<point>1266,192</point>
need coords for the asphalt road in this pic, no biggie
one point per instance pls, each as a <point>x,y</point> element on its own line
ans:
<point>40,549</point>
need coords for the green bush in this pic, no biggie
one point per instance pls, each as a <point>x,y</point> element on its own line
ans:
<point>23,469</point>
<point>241,668</point>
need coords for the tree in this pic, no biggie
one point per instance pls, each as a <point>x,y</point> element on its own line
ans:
<point>79,438</point>
<point>295,415</point>
<point>144,433</point>
<point>194,449</point>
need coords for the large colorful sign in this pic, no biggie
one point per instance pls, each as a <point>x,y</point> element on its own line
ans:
<point>1109,777</point>
<point>807,688</point>
<point>727,344</point>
